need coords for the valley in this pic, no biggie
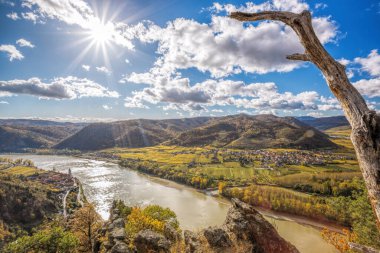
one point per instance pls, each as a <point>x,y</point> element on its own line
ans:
<point>284,167</point>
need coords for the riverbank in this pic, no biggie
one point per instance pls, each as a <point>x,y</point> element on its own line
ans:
<point>318,224</point>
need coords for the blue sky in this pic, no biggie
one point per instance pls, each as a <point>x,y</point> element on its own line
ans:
<point>108,60</point>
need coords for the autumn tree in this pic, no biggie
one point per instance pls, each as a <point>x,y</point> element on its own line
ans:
<point>86,224</point>
<point>364,122</point>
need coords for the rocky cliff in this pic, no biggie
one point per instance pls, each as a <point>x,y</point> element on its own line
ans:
<point>244,230</point>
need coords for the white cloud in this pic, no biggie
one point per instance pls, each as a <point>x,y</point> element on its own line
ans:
<point>4,102</point>
<point>369,88</point>
<point>296,6</point>
<point>177,93</point>
<point>12,52</point>
<point>371,63</point>
<point>344,61</point>
<point>329,104</point>
<point>320,6</point>
<point>58,88</point>
<point>226,46</point>
<point>86,67</point>
<point>76,12</point>
<point>104,69</point>
<point>24,43</point>
<point>13,16</point>
<point>107,107</point>
<point>127,61</point>
<point>30,16</point>
<point>315,114</point>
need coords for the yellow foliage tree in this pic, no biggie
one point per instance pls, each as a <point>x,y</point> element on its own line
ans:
<point>86,224</point>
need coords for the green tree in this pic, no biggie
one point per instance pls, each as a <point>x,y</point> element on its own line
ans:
<point>49,240</point>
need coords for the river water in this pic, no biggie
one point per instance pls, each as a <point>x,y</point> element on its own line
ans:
<point>103,182</point>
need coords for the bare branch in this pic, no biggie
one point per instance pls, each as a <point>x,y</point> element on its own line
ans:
<point>298,57</point>
<point>283,16</point>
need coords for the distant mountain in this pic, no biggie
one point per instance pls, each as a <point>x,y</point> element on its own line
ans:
<point>16,135</point>
<point>325,122</point>
<point>129,133</point>
<point>255,132</point>
<point>238,131</point>
<point>37,122</point>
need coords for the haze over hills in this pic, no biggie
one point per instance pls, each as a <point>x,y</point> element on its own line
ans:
<point>238,131</point>
<point>261,131</point>
<point>129,133</point>
<point>18,134</point>
<point>325,122</point>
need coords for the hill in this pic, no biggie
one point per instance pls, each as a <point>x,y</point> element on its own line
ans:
<point>238,131</point>
<point>324,122</point>
<point>16,135</point>
<point>129,133</point>
<point>255,132</point>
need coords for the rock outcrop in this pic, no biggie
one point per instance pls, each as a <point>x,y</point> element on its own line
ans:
<point>245,230</point>
<point>150,241</point>
<point>117,238</point>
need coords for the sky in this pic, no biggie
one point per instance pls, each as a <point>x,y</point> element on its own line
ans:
<point>77,60</point>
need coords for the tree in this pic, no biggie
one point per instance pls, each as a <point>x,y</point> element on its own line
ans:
<point>86,224</point>
<point>49,240</point>
<point>365,123</point>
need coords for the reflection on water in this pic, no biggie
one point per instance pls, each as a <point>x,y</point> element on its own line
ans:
<point>103,182</point>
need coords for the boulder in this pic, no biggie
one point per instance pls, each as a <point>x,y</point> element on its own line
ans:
<point>192,242</point>
<point>118,233</point>
<point>150,241</point>
<point>217,237</point>
<point>120,247</point>
<point>171,233</point>
<point>119,223</point>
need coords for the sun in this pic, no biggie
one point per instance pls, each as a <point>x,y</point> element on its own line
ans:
<point>101,33</point>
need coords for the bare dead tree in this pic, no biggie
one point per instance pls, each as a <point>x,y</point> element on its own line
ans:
<point>365,123</point>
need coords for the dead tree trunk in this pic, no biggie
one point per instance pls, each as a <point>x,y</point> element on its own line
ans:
<point>365,124</point>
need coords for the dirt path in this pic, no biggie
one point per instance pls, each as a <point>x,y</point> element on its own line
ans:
<point>64,204</point>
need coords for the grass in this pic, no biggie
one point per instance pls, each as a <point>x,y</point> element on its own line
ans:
<point>341,136</point>
<point>23,170</point>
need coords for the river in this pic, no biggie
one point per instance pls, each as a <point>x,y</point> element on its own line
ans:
<point>103,182</point>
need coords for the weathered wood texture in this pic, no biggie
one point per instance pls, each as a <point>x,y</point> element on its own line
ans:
<point>365,123</point>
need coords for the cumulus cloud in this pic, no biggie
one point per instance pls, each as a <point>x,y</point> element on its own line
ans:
<point>104,69</point>
<point>58,88</point>
<point>24,43</point>
<point>371,63</point>
<point>13,16</point>
<point>12,52</point>
<point>368,87</point>
<point>30,16</point>
<point>226,46</point>
<point>329,104</point>
<point>177,93</point>
<point>86,67</point>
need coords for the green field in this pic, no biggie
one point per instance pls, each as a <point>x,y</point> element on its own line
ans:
<point>225,165</point>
